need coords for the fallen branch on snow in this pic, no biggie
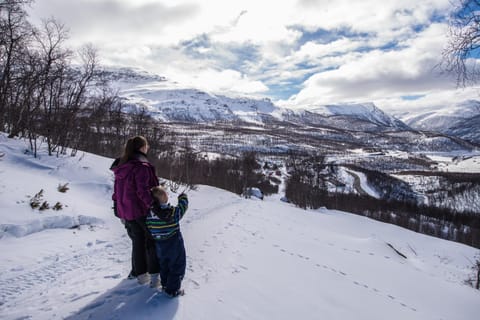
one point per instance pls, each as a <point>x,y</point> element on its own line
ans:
<point>398,252</point>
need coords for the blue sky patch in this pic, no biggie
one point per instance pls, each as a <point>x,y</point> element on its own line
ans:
<point>324,36</point>
<point>412,97</point>
<point>226,56</point>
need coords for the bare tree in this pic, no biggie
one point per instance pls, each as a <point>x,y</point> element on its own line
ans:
<point>462,50</point>
<point>54,61</point>
<point>76,96</point>
<point>15,33</point>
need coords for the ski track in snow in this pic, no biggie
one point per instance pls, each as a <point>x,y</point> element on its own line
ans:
<point>61,271</point>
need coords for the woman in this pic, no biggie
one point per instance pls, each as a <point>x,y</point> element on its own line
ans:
<point>134,177</point>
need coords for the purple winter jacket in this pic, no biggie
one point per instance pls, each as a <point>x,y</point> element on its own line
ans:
<point>131,190</point>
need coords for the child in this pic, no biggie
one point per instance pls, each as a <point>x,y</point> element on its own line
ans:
<point>163,224</point>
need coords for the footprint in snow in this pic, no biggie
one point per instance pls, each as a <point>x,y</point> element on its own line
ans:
<point>195,283</point>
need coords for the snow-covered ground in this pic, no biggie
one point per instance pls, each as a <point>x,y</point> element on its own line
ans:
<point>458,163</point>
<point>247,258</point>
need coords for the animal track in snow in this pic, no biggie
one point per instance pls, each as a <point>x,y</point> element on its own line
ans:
<point>346,276</point>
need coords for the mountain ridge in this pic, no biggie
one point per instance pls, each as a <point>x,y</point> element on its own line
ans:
<point>461,120</point>
<point>170,101</point>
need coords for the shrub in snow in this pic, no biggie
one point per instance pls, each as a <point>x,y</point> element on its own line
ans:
<point>36,200</point>
<point>63,187</point>
<point>45,205</point>
<point>57,206</point>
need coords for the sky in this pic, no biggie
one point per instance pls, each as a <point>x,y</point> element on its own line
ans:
<point>299,53</point>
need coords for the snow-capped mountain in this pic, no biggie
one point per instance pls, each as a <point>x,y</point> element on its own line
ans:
<point>355,117</point>
<point>366,112</point>
<point>195,105</point>
<point>334,126</point>
<point>169,101</point>
<point>468,129</point>
<point>129,75</point>
<point>352,124</point>
<point>461,120</point>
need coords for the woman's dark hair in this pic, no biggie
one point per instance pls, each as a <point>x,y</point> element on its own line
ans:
<point>133,145</point>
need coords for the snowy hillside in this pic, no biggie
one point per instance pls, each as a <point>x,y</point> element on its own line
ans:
<point>246,258</point>
<point>367,112</point>
<point>168,101</point>
<point>461,120</point>
<point>440,118</point>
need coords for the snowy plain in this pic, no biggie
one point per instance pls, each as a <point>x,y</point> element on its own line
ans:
<point>246,258</point>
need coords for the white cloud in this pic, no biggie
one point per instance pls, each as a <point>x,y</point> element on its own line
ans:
<point>222,81</point>
<point>120,23</point>
<point>354,64</point>
<point>368,15</point>
<point>431,100</point>
<point>378,74</point>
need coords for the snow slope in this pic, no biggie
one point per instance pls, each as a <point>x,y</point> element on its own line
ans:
<point>246,258</point>
<point>366,111</point>
<point>460,120</point>
<point>167,101</point>
<point>441,118</point>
